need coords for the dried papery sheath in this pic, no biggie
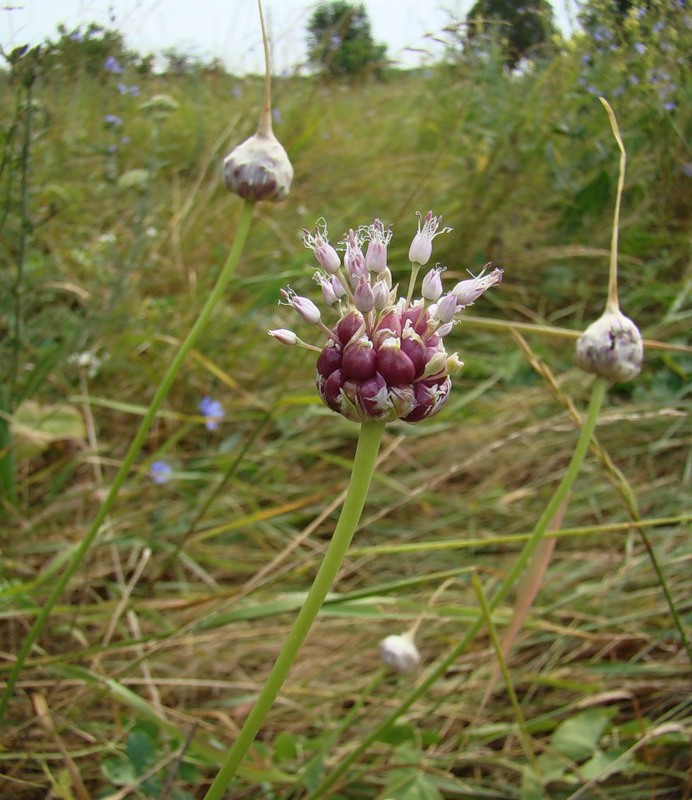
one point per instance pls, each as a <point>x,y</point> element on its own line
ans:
<point>400,653</point>
<point>384,359</point>
<point>611,347</point>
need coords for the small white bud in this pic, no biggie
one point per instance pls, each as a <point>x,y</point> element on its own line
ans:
<point>284,336</point>
<point>611,347</point>
<point>400,652</point>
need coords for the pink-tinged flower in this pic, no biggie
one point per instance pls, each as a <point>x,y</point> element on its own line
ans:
<point>384,359</point>
<point>318,242</point>
<point>421,246</point>
<point>376,254</point>
<point>432,285</point>
<point>468,291</point>
<point>303,305</point>
<point>284,336</point>
<point>212,411</point>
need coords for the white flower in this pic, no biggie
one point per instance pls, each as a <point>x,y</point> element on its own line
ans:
<point>400,652</point>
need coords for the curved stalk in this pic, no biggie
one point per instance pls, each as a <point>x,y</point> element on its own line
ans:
<point>137,443</point>
<point>361,475</point>
<point>597,395</point>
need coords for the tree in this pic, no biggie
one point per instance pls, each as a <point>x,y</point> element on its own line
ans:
<point>340,40</point>
<point>523,26</point>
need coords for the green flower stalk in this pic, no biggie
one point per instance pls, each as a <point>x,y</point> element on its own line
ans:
<point>383,360</point>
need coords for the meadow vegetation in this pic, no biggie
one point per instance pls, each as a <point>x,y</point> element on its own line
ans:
<point>114,224</point>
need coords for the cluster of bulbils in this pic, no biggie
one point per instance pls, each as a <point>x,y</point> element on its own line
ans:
<point>385,358</point>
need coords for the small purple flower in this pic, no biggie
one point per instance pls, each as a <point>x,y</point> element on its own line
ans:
<point>687,169</point>
<point>213,412</point>
<point>112,120</point>
<point>669,106</point>
<point>276,115</point>
<point>658,27</point>
<point>640,47</point>
<point>236,91</point>
<point>134,91</point>
<point>112,149</point>
<point>160,472</point>
<point>76,35</point>
<point>111,64</point>
<point>122,88</point>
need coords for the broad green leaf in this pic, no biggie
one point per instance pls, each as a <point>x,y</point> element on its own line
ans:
<point>35,427</point>
<point>285,748</point>
<point>118,771</point>
<point>601,762</point>
<point>577,737</point>
<point>141,751</point>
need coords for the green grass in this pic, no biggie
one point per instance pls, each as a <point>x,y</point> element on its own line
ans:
<point>167,632</point>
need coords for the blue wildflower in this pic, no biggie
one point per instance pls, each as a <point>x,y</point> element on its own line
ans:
<point>640,47</point>
<point>669,106</point>
<point>276,115</point>
<point>160,472</point>
<point>112,120</point>
<point>111,64</point>
<point>213,412</point>
<point>659,26</point>
<point>122,88</point>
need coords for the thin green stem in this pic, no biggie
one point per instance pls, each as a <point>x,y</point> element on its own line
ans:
<point>597,395</point>
<point>361,475</point>
<point>137,443</point>
<point>497,646</point>
<point>612,302</point>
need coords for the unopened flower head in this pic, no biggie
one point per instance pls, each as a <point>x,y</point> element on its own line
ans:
<point>259,169</point>
<point>384,358</point>
<point>400,652</point>
<point>611,347</point>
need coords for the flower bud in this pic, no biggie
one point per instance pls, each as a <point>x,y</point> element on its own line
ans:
<point>284,336</point>
<point>400,652</point>
<point>364,296</point>
<point>381,293</point>
<point>432,285</point>
<point>259,169</point>
<point>328,293</point>
<point>611,347</point>
<point>445,309</point>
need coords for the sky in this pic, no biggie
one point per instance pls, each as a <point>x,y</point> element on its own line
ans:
<point>229,29</point>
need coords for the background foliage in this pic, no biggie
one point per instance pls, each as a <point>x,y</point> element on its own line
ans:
<point>113,225</point>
